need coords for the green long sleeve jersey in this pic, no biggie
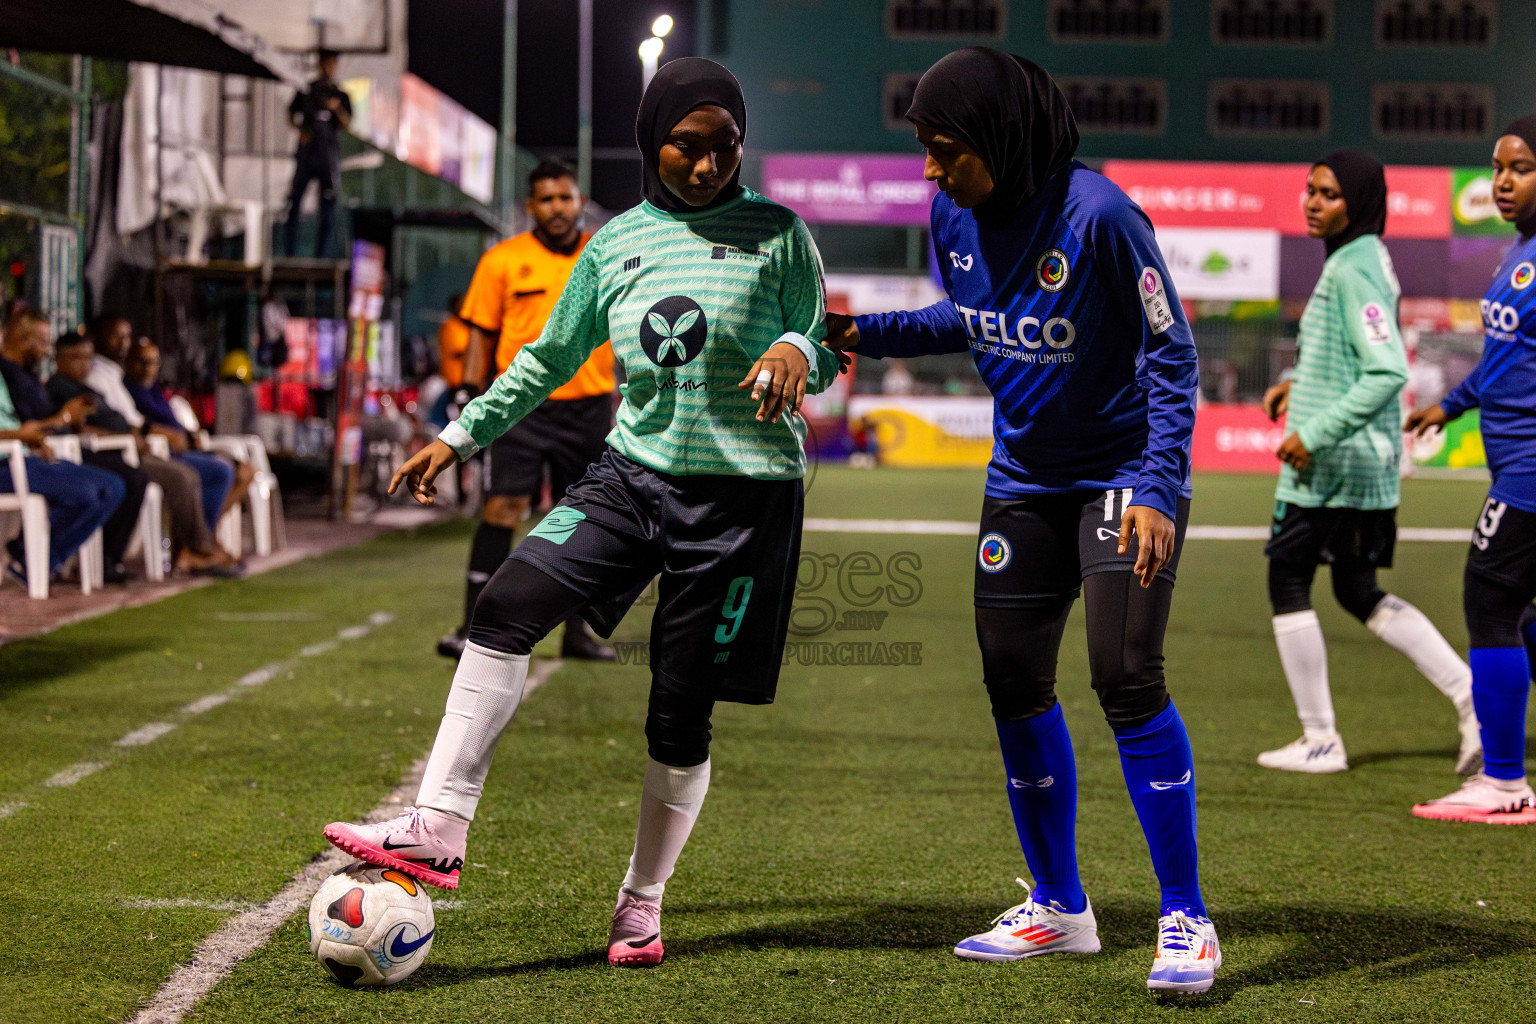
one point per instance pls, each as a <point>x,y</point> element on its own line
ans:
<point>1344,402</point>
<point>690,302</point>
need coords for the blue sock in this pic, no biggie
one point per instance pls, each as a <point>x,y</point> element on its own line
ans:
<point>1160,774</point>
<point>1042,791</point>
<point>1501,683</point>
<point>1528,637</point>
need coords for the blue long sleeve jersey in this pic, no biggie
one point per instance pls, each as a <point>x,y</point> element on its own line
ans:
<point>1503,383</point>
<point>1076,329</point>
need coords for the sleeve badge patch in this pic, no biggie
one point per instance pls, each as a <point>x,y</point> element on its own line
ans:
<point>1154,300</point>
<point>1378,331</point>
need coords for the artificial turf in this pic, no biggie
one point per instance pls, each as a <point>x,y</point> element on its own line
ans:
<point>853,831</point>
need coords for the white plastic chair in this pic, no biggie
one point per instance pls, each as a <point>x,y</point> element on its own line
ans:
<point>230,531</point>
<point>34,519</point>
<point>91,557</point>
<point>151,529</point>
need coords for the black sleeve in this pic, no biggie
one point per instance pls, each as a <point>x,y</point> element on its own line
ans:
<point>296,105</point>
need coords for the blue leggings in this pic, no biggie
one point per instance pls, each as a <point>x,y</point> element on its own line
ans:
<point>80,499</point>
<point>217,478</point>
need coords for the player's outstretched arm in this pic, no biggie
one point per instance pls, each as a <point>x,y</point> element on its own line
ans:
<point>420,471</point>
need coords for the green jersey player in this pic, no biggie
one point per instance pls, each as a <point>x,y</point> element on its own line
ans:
<point>1336,502</point>
<point>705,289</point>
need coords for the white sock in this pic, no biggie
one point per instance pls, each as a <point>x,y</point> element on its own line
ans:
<point>486,689</point>
<point>1408,630</point>
<point>1304,657</point>
<point>669,805</point>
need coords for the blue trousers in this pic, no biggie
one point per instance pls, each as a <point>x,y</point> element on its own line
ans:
<point>80,499</point>
<point>217,477</point>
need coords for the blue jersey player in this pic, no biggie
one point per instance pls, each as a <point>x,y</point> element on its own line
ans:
<point>1500,578</point>
<point>1057,289</point>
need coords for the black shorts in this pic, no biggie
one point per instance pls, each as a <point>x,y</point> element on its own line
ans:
<point>1314,536</point>
<point>1039,549</point>
<point>1503,547</point>
<point>565,436</point>
<point>726,548</point>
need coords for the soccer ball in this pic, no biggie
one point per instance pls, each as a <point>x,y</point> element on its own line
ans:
<point>370,926</point>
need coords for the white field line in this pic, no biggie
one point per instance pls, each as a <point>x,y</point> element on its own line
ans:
<point>145,734</point>
<point>182,903</point>
<point>73,774</point>
<point>253,928</point>
<point>961,528</point>
<point>152,731</point>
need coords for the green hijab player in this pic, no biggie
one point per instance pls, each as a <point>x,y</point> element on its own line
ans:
<point>706,290</point>
<point>1336,502</point>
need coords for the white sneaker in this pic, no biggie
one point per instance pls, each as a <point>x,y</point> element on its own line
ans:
<point>1030,929</point>
<point>1482,799</point>
<point>1188,954</point>
<point>1317,757</point>
<point>1470,757</point>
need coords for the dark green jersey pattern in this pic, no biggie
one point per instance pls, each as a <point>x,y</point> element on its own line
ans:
<point>690,302</point>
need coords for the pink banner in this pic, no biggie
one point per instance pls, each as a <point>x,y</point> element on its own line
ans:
<point>1220,195</point>
<point>1235,439</point>
<point>850,189</point>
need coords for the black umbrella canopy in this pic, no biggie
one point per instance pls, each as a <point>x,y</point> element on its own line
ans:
<point>179,33</point>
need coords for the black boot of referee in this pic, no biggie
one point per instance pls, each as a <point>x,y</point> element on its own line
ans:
<point>581,644</point>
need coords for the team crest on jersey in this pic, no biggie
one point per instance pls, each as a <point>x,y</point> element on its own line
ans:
<point>673,331</point>
<point>995,553</point>
<point>1521,277</point>
<point>524,271</point>
<point>1052,271</point>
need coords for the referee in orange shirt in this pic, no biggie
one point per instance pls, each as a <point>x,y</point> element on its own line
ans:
<point>511,296</point>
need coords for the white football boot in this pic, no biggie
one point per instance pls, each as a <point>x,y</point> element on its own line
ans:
<point>1484,800</point>
<point>1030,929</point>
<point>1316,757</point>
<point>1188,955</point>
<point>406,843</point>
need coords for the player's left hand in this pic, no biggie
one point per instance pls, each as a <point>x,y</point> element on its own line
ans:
<point>1293,453</point>
<point>1154,533</point>
<point>778,379</point>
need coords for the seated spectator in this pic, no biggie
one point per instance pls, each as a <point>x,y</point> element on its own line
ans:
<point>26,344</point>
<point>142,378</point>
<point>114,339</point>
<point>192,545</point>
<point>80,498</point>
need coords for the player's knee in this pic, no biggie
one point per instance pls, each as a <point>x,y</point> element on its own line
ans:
<point>1015,698</point>
<point>1290,587</point>
<point>1131,691</point>
<point>1495,613</point>
<point>1356,590</point>
<point>677,726</point>
<point>517,608</point>
<point>507,513</point>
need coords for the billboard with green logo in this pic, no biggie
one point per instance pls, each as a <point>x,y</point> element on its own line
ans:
<point>1472,209</point>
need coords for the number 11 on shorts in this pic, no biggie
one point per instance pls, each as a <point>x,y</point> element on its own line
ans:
<point>734,609</point>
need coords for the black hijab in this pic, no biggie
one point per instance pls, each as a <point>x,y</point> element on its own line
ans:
<point>1363,180</point>
<point>1525,129</point>
<point>1010,112</point>
<point>680,87</point>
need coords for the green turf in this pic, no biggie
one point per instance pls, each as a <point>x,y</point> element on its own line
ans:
<point>854,830</point>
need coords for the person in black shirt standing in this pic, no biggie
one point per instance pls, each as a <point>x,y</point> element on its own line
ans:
<point>320,113</point>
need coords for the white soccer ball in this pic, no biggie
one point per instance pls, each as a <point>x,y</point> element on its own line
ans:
<point>370,926</point>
